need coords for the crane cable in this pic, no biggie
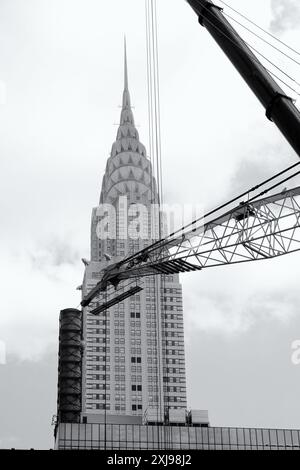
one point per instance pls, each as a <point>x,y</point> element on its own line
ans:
<point>244,194</point>
<point>156,163</point>
<point>262,29</point>
<point>261,38</point>
<point>170,237</point>
<point>255,58</point>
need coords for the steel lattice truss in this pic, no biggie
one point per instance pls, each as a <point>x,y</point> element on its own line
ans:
<point>260,229</point>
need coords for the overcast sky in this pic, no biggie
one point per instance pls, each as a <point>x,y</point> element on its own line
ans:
<point>61,79</point>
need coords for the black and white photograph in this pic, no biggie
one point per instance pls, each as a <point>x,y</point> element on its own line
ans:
<point>150,235</point>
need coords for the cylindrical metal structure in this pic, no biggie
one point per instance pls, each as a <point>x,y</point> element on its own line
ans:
<point>69,366</point>
<point>279,107</point>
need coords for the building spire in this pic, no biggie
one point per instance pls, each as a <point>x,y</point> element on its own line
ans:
<point>127,136</point>
<point>126,115</point>
<point>125,66</point>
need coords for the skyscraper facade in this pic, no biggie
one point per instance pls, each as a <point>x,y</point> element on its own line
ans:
<point>134,362</point>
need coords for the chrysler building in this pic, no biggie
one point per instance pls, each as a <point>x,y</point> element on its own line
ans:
<point>134,362</point>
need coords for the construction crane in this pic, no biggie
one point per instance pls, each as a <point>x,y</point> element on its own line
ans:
<point>257,228</point>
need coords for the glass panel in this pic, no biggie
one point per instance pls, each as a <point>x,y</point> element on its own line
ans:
<point>240,438</point>
<point>259,439</point>
<point>88,433</point>
<point>115,436</point>
<point>281,439</point>
<point>273,436</point>
<point>233,438</point>
<point>98,434</point>
<point>144,437</point>
<point>184,436</point>
<point>175,444</point>
<point>150,438</point>
<point>266,439</point>
<point>205,438</point>
<point>253,439</point>
<point>129,436</point>
<point>136,437</point>
<point>247,439</point>
<point>193,438</point>
<point>225,438</point>
<point>211,438</point>
<point>295,438</point>
<point>218,439</point>
<point>288,439</point>
<point>123,437</point>
<point>199,438</point>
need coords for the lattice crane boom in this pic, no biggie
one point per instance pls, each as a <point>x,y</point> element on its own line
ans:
<point>261,229</point>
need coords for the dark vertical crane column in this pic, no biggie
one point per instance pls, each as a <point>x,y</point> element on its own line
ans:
<point>69,395</point>
<point>279,107</point>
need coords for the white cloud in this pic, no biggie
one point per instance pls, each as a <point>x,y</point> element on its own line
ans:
<point>33,295</point>
<point>286,15</point>
<point>235,299</point>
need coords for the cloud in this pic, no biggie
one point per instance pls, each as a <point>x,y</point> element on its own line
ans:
<point>28,402</point>
<point>35,289</point>
<point>233,300</point>
<point>55,252</point>
<point>286,15</point>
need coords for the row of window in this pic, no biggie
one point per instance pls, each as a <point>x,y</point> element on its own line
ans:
<point>177,308</point>
<point>135,359</point>
<point>172,299</point>
<point>98,386</point>
<point>173,370</point>
<point>91,323</point>
<point>136,407</point>
<point>174,389</point>
<point>120,398</point>
<point>134,378</point>
<point>99,340</point>
<point>172,316</point>
<point>173,343</point>
<point>175,399</point>
<point>172,290</point>
<point>135,315</point>
<point>94,349</point>
<point>136,398</point>
<point>174,361</point>
<point>98,377</point>
<point>98,396</point>
<point>174,380</point>
<point>178,326</point>
<point>174,352</point>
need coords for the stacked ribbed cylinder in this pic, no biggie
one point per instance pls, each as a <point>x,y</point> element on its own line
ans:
<point>69,366</point>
